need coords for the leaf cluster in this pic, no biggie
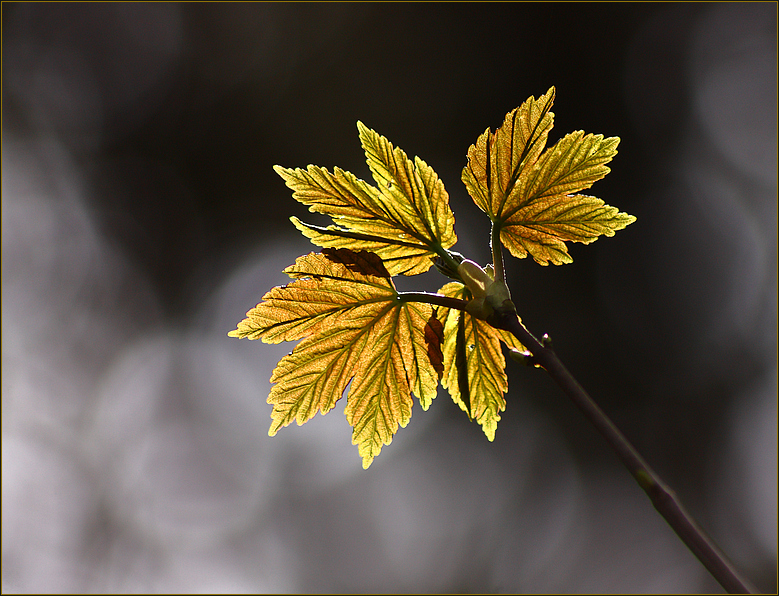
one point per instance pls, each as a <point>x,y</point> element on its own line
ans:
<point>359,335</point>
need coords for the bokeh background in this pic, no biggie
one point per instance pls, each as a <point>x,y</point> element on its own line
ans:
<point>142,218</point>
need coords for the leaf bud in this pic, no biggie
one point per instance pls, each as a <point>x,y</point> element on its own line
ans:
<point>476,278</point>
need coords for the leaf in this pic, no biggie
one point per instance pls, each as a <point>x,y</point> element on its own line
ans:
<point>528,191</point>
<point>405,219</point>
<point>354,329</point>
<point>496,160</point>
<point>541,227</point>
<point>473,362</point>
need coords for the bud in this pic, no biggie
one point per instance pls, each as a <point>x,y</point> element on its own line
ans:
<point>489,296</point>
<point>476,278</point>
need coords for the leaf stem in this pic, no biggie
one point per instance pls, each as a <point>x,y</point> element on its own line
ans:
<point>436,299</point>
<point>449,260</point>
<point>663,498</point>
<point>497,254</point>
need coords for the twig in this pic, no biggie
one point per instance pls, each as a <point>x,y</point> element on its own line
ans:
<point>663,498</point>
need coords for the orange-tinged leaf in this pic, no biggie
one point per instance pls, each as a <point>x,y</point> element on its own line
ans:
<point>405,218</point>
<point>400,256</point>
<point>573,164</point>
<point>411,188</point>
<point>354,328</point>
<point>528,192</point>
<point>541,227</point>
<point>473,362</point>
<point>497,159</point>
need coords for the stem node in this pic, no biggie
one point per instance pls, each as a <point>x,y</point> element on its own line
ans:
<point>546,341</point>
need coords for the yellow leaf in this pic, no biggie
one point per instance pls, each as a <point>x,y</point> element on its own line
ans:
<point>413,188</point>
<point>401,257</point>
<point>497,159</point>
<point>528,191</point>
<point>540,227</point>
<point>473,362</point>
<point>354,328</point>
<point>405,219</point>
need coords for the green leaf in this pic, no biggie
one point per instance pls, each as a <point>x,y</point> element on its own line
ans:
<point>528,191</point>
<point>473,362</point>
<point>354,328</point>
<point>405,219</point>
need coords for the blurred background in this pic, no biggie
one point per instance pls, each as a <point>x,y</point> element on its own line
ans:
<point>142,218</point>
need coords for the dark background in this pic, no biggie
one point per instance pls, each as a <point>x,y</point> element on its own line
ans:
<point>142,218</point>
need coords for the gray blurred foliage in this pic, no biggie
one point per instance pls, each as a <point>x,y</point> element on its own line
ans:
<point>141,219</point>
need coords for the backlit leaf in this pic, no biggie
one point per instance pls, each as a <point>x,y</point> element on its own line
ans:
<point>405,219</point>
<point>528,192</point>
<point>541,227</point>
<point>473,362</point>
<point>497,159</point>
<point>354,328</point>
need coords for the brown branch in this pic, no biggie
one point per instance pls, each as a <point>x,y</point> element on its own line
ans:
<point>663,498</point>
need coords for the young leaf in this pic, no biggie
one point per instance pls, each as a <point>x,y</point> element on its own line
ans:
<point>354,328</point>
<point>528,192</point>
<point>473,362</point>
<point>405,219</point>
<point>496,160</point>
